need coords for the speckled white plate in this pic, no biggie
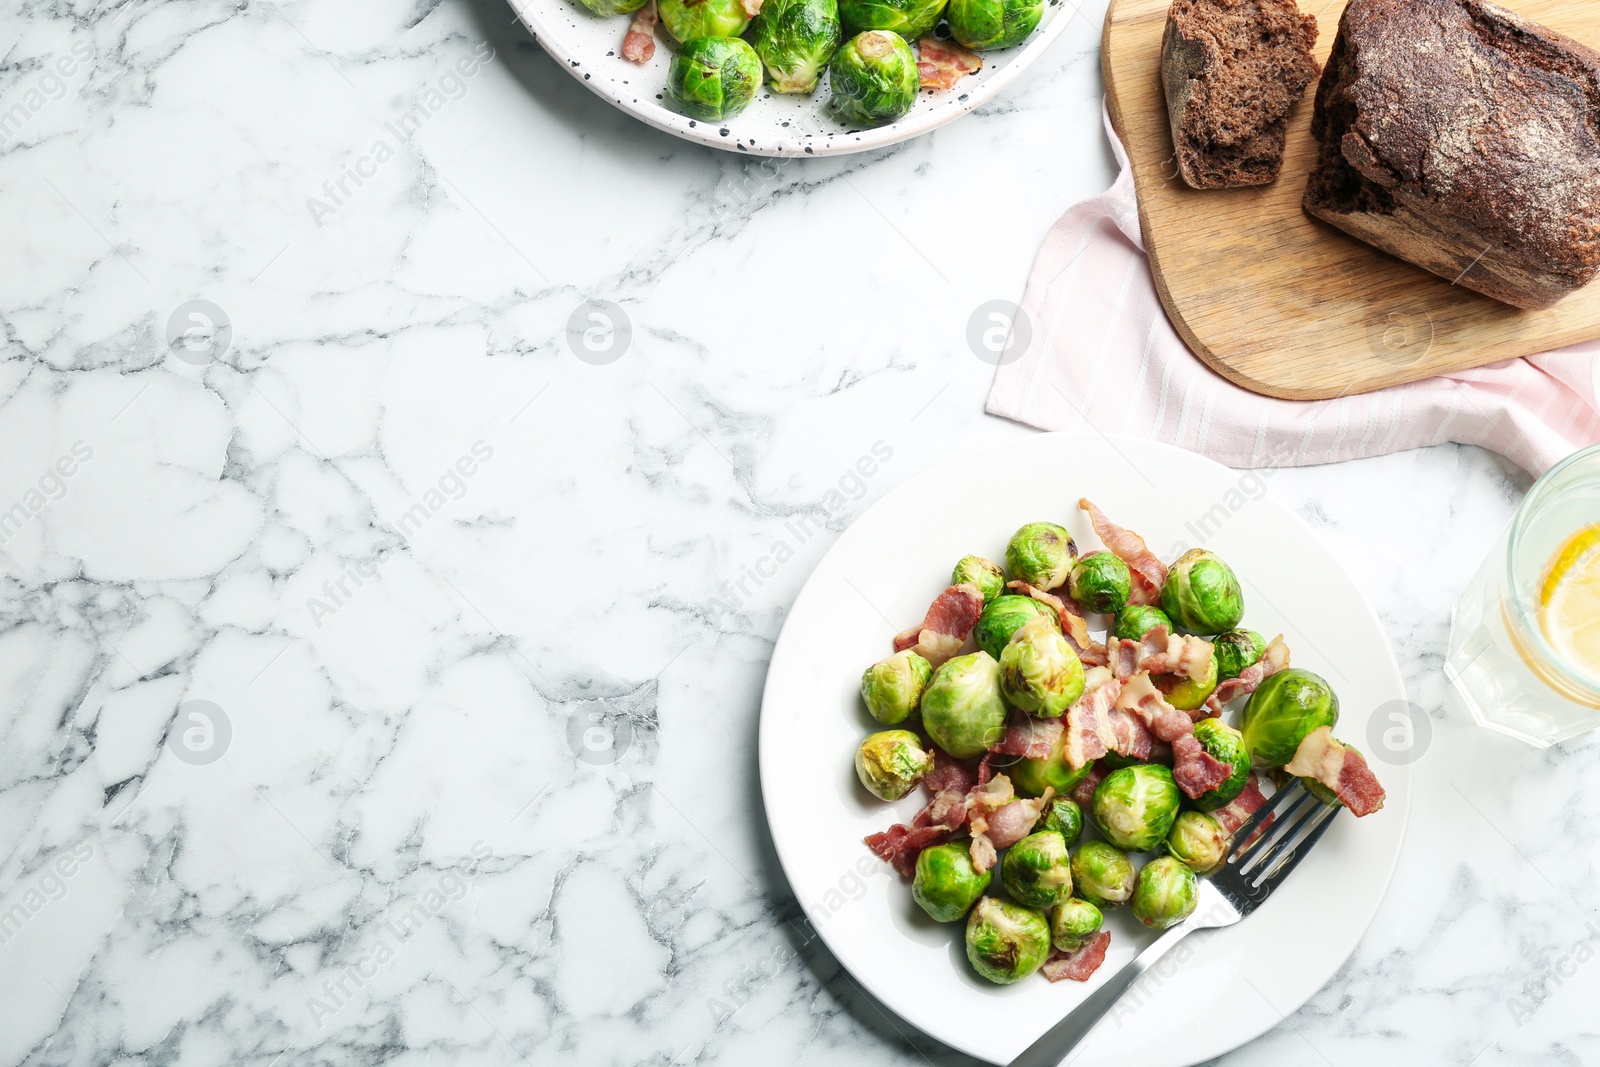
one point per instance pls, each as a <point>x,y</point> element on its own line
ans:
<point>774,124</point>
<point>1216,991</point>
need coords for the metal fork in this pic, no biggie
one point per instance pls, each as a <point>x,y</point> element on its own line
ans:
<point>1270,845</point>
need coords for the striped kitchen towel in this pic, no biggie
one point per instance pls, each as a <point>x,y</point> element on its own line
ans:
<point>1104,357</point>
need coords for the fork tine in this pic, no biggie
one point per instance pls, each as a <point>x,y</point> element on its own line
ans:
<point>1298,850</point>
<point>1280,832</point>
<point>1247,835</point>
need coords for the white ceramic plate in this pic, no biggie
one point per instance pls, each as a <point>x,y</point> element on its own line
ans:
<point>1217,991</point>
<point>775,124</point>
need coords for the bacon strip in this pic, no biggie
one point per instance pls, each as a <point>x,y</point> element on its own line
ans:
<point>1078,965</point>
<point>1274,659</point>
<point>1072,622</point>
<point>1083,792</point>
<point>948,773</point>
<point>1149,573</point>
<point>1160,651</point>
<point>639,44</point>
<point>999,820</point>
<point>1194,769</point>
<point>944,629</point>
<point>1140,697</point>
<point>900,845</point>
<point>752,8</point>
<point>1029,737</point>
<point>1322,758</point>
<point>1240,808</point>
<point>943,63</point>
<point>1095,726</point>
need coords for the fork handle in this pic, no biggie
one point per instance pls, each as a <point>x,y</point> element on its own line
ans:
<point>1057,1044</point>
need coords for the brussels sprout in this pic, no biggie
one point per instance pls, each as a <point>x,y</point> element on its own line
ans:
<point>1202,595</point>
<point>1006,942</point>
<point>1187,694</point>
<point>873,79</point>
<point>891,763</point>
<point>688,19</point>
<point>1134,806</point>
<point>1030,777</point>
<point>1197,841</point>
<point>1037,871</point>
<point>608,8</point>
<point>1238,649</point>
<point>1102,875</point>
<point>1003,616</point>
<point>987,24</point>
<point>1065,818</point>
<point>1039,671</point>
<point>962,708</point>
<point>1285,708</point>
<point>1100,583</point>
<point>795,39</point>
<point>893,687</point>
<point>714,78</point>
<point>1136,620</point>
<point>1166,893</point>
<point>1225,745</point>
<point>947,884</point>
<point>1041,554</point>
<point>908,18</point>
<point>1073,924</point>
<point>975,570</point>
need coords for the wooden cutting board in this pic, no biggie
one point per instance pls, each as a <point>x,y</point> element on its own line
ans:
<point>1283,304</point>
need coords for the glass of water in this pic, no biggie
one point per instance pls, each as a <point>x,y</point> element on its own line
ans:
<point>1525,637</point>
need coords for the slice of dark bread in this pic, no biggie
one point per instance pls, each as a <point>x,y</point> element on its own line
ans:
<point>1232,70</point>
<point>1463,138</point>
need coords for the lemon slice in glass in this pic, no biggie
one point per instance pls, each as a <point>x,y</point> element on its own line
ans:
<point>1569,602</point>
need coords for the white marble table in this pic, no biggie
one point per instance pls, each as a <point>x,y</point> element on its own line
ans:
<point>417,558</point>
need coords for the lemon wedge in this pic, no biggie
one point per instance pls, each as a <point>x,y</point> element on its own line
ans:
<point>1569,601</point>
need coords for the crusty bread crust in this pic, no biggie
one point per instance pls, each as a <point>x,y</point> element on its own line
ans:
<point>1231,71</point>
<point>1463,138</point>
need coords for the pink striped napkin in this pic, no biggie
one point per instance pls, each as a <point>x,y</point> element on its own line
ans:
<point>1102,356</point>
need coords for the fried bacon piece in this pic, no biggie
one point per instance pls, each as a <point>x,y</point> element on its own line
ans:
<point>1140,697</point>
<point>1078,965</point>
<point>639,44</point>
<point>1238,811</point>
<point>1149,573</point>
<point>900,845</point>
<point>944,629</point>
<point>1274,659</point>
<point>1322,758</point>
<point>1095,726</point>
<point>1194,769</point>
<point>1072,623</point>
<point>1160,651</point>
<point>1029,737</point>
<point>943,63</point>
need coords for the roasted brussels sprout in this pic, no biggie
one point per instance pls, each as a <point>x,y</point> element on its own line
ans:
<point>1197,841</point>
<point>1030,777</point>
<point>608,8</point>
<point>1187,694</point>
<point>1202,595</point>
<point>1166,893</point>
<point>1065,818</point>
<point>1136,620</point>
<point>1102,875</point>
<point>688,19</point>
<point>713,78</point>
<point>1006,941</point>
<point>1135,806</point>
<point>1039,671</point>
<point>947,884</point>
<point>982,25</point>
<point>1073,923</point>
<point>893,687</point>
<point>873,78</point>
<point>1037,871</point>
<point>795,39</point>
<point>962,708</point>
<point>1003,616</point>
<point>1237,650</point>
<point>987,576</point>
<point>1225,745</point>
<point>1100,583</point>
<point>891,763</point>
<point>1285,708</point>
<point>908,18</point>
<point>1041,554</point>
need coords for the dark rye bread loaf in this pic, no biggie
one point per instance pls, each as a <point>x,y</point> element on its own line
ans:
<point>1461,137</point>
<point>1232,70</point>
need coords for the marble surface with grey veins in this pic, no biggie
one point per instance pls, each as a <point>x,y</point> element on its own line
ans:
<point>379,669</point>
